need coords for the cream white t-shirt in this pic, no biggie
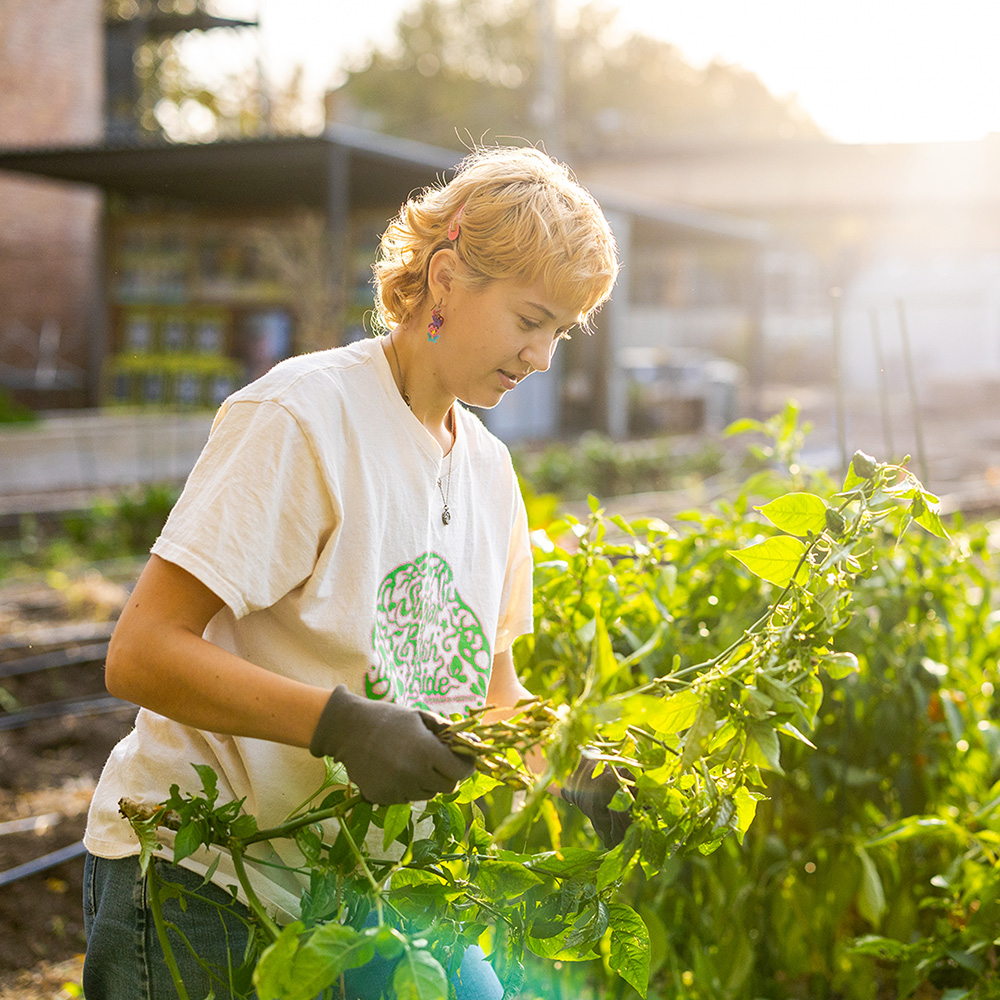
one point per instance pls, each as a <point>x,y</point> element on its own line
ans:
<point>314,512</point>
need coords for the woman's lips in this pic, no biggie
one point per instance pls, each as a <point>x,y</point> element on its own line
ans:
<point>507,379</point>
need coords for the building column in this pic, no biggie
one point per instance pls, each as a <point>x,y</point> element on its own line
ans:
<point>338,213</point>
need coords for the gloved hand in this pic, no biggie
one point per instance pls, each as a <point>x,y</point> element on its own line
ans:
<point>390,751</point>
<point>592,795</point>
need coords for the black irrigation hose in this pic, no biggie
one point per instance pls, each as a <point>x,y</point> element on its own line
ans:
<point>99,704</point>
<point>95,652</point>
<point>43,863</point>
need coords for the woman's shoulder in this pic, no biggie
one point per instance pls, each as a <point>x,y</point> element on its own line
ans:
<point>315,390</point>
<point>315,366</point>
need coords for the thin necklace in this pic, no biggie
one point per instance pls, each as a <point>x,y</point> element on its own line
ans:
<point>399,370</point>
<point>443,488</point>
<point>446,489</point>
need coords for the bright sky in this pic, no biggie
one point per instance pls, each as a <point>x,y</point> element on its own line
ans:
<point>866,70</point>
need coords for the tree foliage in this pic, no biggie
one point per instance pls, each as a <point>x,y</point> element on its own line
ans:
<point>462,69</point>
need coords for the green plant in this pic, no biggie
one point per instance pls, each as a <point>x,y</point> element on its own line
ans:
<point>119,527</point>
<point>13,412</point>
<point>691,672</point>
<point>597,464</point>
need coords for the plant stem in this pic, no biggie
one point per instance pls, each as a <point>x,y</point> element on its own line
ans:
<point>308,819</point>
<point>376,888</point>
<point>156,905</point>
<point>253,901</point>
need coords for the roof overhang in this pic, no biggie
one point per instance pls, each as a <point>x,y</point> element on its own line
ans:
<point>276,172</point>
<point>287,171</point>
<point>652,219</point>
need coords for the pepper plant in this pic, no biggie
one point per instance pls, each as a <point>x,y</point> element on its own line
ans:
<point>690,719</point>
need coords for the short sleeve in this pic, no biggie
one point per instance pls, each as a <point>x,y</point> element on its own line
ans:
<point>256,510</point>
<point>516,604</point>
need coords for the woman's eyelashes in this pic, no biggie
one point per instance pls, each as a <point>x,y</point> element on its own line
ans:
<point>529,324</point>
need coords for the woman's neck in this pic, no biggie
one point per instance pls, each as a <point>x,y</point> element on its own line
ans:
<point>418,385</point>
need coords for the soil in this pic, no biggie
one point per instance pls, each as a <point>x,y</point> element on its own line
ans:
<point>48,771</point>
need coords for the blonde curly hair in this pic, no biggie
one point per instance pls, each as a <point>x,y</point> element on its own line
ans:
<point>524,216</point>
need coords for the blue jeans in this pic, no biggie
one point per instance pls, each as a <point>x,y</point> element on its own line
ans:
<point>125,962</point>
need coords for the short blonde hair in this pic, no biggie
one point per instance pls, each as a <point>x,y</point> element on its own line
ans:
<point>524,216</point>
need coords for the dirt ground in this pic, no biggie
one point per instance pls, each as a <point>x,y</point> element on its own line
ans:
<point>47,775</point>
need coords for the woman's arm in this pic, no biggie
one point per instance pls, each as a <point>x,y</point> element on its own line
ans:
<point>158,659</point>
<point>505,688</point>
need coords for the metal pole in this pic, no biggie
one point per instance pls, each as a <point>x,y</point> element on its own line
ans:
<point>548,98</point>
<point>911,382</point>
<point>883,389</point>
<point>838,375</point>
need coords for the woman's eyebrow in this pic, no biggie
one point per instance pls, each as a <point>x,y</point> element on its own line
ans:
<point>542,309</point>
<point>548,313</point>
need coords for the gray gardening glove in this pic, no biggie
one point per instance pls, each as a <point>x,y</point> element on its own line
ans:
<point>592,795</point>
<point>390,751</point>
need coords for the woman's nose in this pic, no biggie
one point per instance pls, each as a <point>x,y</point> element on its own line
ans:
<point>538,354</point>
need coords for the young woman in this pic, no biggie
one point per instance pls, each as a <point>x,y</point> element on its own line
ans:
<point>348,559</point>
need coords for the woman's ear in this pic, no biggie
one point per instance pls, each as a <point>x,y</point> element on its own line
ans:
<point>442,273</point>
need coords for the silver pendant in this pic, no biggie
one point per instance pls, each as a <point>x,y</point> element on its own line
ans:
<point>445,515</point>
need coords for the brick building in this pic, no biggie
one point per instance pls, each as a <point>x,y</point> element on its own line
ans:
<point>51,93</point>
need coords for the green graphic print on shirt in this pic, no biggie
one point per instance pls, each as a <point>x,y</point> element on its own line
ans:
<point>430,649</point>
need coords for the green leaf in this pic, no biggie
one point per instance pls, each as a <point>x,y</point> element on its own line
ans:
<point>629,954</point>
<point>776,560</point>
<point>571,862</point>
<point>839,665</point>
<point>329,951</point>
<point>299,965</point>
<point>612,867</point>
<point>397,816</point>
<point>880,947</point>
<point>209,781</point>
<point>506,879</point>
<point>746,808</point>
<point>763,748</point>
<point>419,976</point>
<point>871,895</point>
<point>796,734</point>
<point>272,975</point>
<point>796,513</point>
<point>745,425</point>
<point>698,734</point>
<point>187,841</point>
<point>146,829</point>
<point>605,665</point>
<point>336,773</point>
<point>912,826</point>
<point>672,714</point>
<point>927,516</point>
<point>476,787</point>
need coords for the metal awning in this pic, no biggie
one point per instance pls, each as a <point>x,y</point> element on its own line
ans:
<point>275,172</point>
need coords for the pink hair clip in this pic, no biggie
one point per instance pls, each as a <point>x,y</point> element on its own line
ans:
<point>456,220</point>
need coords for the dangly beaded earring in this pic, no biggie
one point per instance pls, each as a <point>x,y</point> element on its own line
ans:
<point>434,326</point>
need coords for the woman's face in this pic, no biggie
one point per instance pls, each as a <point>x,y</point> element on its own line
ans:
<point>494,337</point>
